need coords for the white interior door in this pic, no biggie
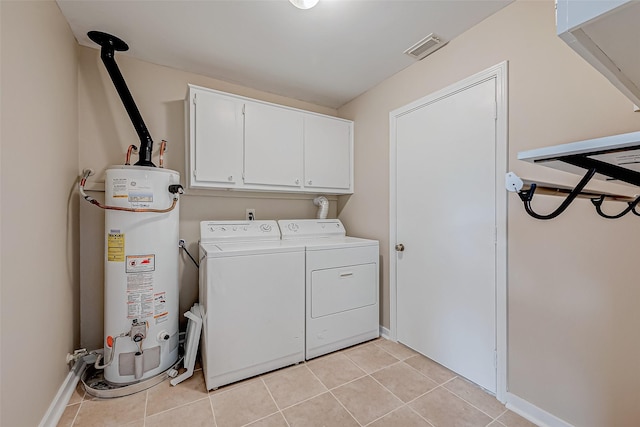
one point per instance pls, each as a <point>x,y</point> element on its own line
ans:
<point>446,220</point>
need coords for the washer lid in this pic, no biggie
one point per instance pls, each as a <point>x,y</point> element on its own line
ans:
<point>224,249</point>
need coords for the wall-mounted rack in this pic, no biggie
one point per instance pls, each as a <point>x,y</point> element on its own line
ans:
<point>613,158</point>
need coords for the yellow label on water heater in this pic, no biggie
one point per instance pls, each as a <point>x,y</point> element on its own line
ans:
<point>115,247</point>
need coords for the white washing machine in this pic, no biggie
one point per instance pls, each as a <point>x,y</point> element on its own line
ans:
<point>252,292</point>
<point>342,289</point>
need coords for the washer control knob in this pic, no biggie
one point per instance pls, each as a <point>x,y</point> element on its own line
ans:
<point>265,227</point>
<point>293,226</point>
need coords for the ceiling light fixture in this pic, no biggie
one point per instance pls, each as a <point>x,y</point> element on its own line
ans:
<point>304,4</point>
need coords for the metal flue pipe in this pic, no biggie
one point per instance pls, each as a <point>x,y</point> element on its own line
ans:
<point>109,44</point>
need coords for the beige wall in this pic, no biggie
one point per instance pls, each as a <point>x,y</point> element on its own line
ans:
<point>39,207</point>
<point>573,346</point>
<point>572,299</point>
<point>106,132</point>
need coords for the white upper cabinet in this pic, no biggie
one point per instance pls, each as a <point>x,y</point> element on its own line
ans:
<point>606,34</point>
<point>272,144</point>
<point>327,153</point>
<point>243,144</point>
<point>216,140</point>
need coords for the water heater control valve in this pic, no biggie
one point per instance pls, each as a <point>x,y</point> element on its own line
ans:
<point>138,331</point>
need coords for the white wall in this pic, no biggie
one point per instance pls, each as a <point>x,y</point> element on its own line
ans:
<point>573,344</point>
<point>39,216</point>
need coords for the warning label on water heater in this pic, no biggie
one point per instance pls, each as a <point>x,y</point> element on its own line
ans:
<point>140,296</point>
<point>115,247</point>
<point>119,188</point>
<point>139,304</point>
<point>140,263</point>
<point>160,313</point>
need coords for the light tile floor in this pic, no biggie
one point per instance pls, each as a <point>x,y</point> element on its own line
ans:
<point>379,384</point>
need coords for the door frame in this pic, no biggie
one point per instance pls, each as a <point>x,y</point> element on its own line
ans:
<point>500,73</point>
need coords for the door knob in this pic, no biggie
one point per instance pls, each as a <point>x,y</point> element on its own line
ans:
<point>400,247</point>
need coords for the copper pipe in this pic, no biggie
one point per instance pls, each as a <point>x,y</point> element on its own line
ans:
<point>163,147</point>
<point>132,148</point>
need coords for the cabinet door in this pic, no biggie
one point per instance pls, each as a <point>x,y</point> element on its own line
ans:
<point>216,127</point>
<point>273,146</point>
<point>327,153</point>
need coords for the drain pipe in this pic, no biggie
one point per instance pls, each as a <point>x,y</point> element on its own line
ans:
<point>80,359</point>
<point>323,207</point>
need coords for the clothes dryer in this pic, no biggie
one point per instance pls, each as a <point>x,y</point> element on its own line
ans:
<point>341,284</point>
<point>252,292</point>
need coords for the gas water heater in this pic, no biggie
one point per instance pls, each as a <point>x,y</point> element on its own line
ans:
<point>141,251</point>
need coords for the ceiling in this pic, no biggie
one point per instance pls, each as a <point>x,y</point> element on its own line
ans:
<point>327,55</point>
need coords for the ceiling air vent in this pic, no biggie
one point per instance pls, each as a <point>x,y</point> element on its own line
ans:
<point>426,46</point>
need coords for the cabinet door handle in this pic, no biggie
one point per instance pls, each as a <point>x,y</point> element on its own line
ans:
<point>400,247</point>
<point>297,181</point>
<point>230,178</point>
<point>310,182</point>
<point>349,274</point>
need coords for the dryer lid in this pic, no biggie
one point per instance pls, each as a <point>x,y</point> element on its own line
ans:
<point>338,243</point>
<point>311,228</point>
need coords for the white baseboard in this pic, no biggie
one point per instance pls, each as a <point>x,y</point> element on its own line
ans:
<point>532,413</point>
<point>384,333</point>
<point>59,403</point>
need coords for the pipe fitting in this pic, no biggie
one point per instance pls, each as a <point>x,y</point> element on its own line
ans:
<point>323,207</point>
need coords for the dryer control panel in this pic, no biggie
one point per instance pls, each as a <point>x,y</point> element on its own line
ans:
<point>238,231</point>
<point>311,228</point>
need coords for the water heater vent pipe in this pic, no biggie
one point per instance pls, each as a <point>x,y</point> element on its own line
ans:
<point>109,44</point>
<point>323,207</point>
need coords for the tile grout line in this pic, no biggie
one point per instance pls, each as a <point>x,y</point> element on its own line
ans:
<point>146,403</point>
<point>302,401</point>
<point>348,382</point>
<point>264,418</point>
<point>376,370</point>
<point>335,397</point>
<point>471,404</point>
<point>213,411</point>
<point>442,386</point>
<point>388,352</point>
<point>274,402</point>
<point>182,405</point>
<point>424,394</point>
<point>455,375</point>
<point>345,408</point>
<point>239,383</point>
<point>75,417</point>
<point>392,393</point>
<point>370,374</point>
<point>450,391</point>
<point>405,405</point>
<point>503,412</point>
